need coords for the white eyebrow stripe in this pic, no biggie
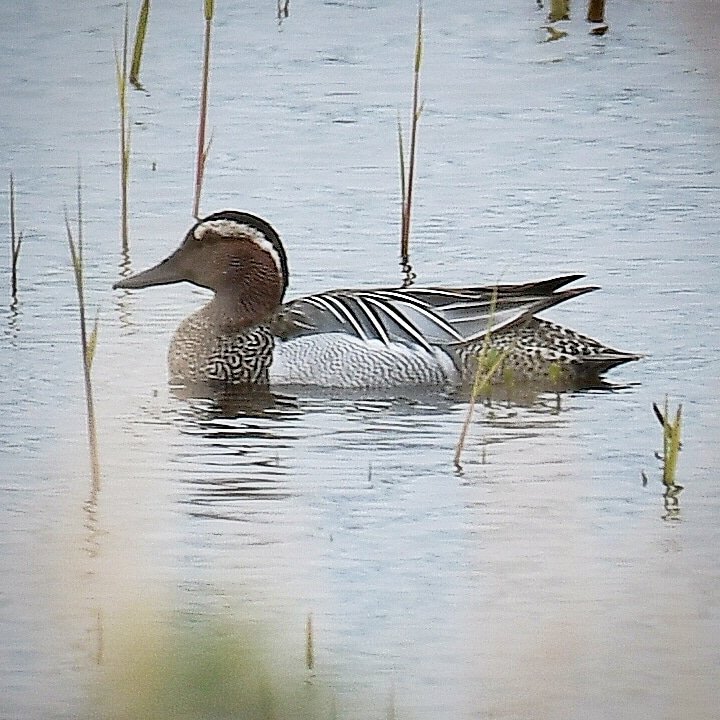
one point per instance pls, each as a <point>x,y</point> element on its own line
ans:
<point>239,231</point>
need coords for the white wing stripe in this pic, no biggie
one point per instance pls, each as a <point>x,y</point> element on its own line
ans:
<point>439,321</point>
<point>341,312</point>
<point>402,321</point>
<point>374,321</point>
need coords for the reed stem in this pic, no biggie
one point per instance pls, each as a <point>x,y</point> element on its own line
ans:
<point>482,380</point>
<point>672,430</point>
<point>121,75</point>
<point>309,644</point>
<point>88,341</point>
<point>15,241</point>
<point>407,174</point>
<point>138,47</point>
<point>203,148</point>
<point>484,373</point>
<point>596,11</point>
<point>559,10</point>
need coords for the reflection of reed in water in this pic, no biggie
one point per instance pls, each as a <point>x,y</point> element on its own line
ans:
<point>14,319</point>
<point>16,239</point>
<point>283,10</point>
<point>408,275</point>
<point>123,301</point>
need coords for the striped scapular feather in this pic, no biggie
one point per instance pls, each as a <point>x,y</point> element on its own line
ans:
<point>423,316</point>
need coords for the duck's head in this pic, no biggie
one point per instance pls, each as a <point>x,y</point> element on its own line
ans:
<point>236,254</point>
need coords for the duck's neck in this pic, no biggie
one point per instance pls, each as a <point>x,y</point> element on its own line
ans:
<point>232,314</point>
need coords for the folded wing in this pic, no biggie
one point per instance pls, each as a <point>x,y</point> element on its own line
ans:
<point>422,316</point>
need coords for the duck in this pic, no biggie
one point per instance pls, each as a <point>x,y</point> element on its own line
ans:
<point>248,334</point>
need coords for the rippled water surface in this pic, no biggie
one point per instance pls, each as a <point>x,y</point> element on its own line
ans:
<point>542,579</point>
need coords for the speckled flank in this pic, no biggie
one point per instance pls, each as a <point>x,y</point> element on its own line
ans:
<point>540,350</point>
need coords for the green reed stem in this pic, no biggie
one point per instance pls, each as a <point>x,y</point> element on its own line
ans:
<point>138,47</point>
<point>122,83</point>
<point>403,185</point>
<point>559,10</point>
<point>484,373</point>
<point>672,431</point>
<point>202,147</point>
<point>88,341</point>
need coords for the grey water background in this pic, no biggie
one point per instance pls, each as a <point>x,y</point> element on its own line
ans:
<point>540,580</point>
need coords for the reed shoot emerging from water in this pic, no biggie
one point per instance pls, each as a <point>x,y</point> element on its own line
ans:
<point>489,362</point>
<point>15,241</point>
<point>88,341</point>
<point>671,443</point>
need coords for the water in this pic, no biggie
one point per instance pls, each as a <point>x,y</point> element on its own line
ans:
<point>540,580</point>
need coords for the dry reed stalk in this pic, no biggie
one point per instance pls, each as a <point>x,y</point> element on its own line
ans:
<point>482,380</point>
<point>596,11</point>
<point>88,341</point>
<point>559,10</point>
<point>309,644</point>
<point>407,170</point>
<point>15,240</point>
<point>121,79</point>
<point>203,148</point>
<point>489,362</point>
